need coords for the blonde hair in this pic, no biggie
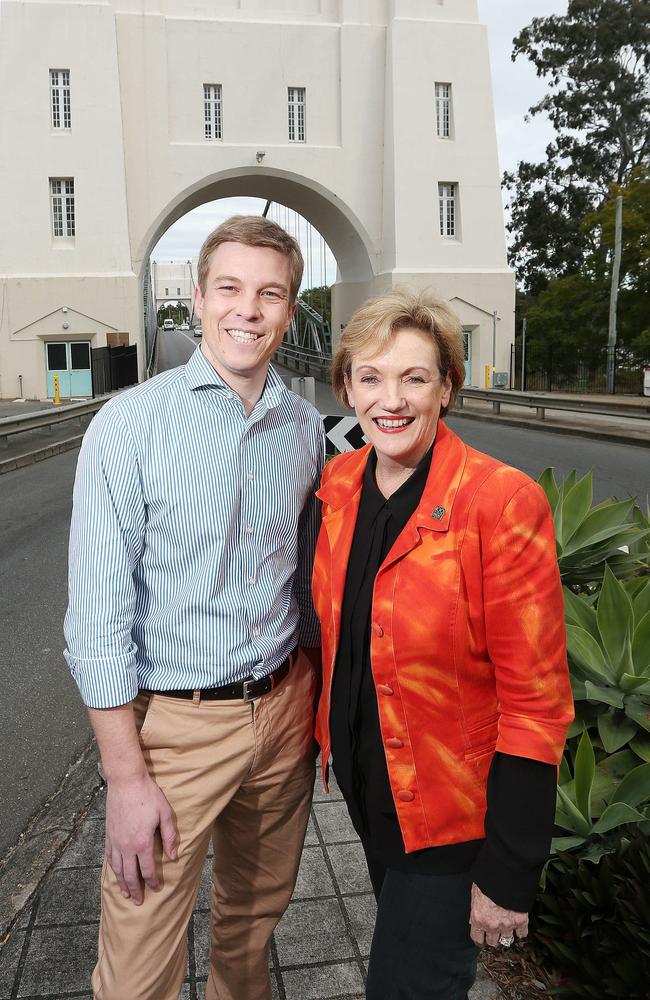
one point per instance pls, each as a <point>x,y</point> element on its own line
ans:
<point>253,231</point>
<point>375,324</point>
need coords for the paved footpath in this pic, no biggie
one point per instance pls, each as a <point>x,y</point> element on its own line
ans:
<point>319,950</point>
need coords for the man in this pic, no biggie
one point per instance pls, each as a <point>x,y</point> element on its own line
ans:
<point>193,533</point>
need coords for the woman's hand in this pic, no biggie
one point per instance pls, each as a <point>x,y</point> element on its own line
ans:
<point>488,922</point>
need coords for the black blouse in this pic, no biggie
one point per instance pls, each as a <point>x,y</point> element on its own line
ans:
<point>520,793</point>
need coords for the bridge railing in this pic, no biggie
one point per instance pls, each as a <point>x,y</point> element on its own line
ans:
<point>304,361</point>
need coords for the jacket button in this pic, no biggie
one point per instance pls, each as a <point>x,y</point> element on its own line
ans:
<point>384,689</point>
<point>405,796</point>
<point>394,743</point>
<point>377,630</point>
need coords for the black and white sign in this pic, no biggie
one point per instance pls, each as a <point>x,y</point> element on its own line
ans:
<point>343,432</point>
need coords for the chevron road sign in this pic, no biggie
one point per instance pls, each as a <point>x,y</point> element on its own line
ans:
<point>343,432</point>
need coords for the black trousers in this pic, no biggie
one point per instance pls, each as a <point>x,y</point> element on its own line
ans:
<point>421,948</point>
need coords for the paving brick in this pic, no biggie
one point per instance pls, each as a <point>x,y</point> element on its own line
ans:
<point>314,878</point>
<point>59,961</point>
<point>9,959</point>
<point>87,847</point>
<point>321,982</point>
<point>361,912</point>
<point>313,931</point>
<point>70,897</point>
<point>334,822</point>
<point>350,869</point>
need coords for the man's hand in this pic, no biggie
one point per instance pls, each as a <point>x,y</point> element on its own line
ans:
<point>489,922</point>
<point>135,809</point>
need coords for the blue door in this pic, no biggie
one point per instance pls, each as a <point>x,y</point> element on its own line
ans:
<point>70,360</point>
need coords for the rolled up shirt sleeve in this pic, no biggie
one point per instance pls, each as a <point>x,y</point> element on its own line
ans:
<point>106,543</point>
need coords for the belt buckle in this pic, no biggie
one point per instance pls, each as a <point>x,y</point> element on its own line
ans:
<point>248,691</point>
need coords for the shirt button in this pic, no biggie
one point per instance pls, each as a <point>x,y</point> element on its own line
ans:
<point>377,630</point>
<point>249,474</point>
<point>251,581</point>
<point>249,529</point>
<point>384,689</point>
<point>394,743</point>
<point>405,796</point>
<point>257,632</point>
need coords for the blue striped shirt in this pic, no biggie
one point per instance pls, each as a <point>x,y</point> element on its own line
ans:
<point>193,536</point>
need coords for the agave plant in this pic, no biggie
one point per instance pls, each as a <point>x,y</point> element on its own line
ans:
<point>591,923</point>
<point>613,533</point>
<point>595,802</point>
<point>609,653</point>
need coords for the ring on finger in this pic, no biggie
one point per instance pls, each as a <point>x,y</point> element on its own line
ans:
<point>506,941</point>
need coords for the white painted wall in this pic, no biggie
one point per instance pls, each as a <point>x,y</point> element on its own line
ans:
<point>366,177</point>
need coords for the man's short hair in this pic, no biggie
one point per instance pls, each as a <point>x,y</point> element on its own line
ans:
<point>253,231</point>
<point>375,324</point>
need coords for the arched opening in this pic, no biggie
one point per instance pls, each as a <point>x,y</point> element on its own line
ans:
<point>332,219</point>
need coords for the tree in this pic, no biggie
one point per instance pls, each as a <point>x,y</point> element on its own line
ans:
<point>573,309</point>
<point>596,60</point>
<point>320,299</point>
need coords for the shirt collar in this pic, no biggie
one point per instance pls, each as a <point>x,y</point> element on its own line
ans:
<point>404,500</point>
<point>201,375</point>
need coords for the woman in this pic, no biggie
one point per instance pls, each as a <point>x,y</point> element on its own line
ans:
<point>446,698</point>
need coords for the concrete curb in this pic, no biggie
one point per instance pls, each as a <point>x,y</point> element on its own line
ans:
<point>593,433</point>
<point>26,864</point>
<point>30,457</point>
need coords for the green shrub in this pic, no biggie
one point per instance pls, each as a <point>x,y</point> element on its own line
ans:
<point>592,921</point>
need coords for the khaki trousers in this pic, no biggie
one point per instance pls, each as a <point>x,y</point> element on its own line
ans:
<point>241,774</point>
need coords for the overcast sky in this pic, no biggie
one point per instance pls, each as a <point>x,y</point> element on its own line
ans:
<point>515,86</point>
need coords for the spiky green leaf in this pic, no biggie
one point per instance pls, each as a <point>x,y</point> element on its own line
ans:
<point>569,816</point>
<point>614,616</point>
<point>634,789</point>
<point>638,709</point>
<point>641,646</point>
<point>617,815</point>
<point>584,770</point>
<point>615,729</point>
<point>549,485</point>
<point>602,522</point>
<point>604,695</point>
<point>588,655</point>
<point>576,505</point>
<point>578,612</point>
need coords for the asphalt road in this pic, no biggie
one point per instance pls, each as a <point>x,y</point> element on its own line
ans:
<point>42,721</point>
<point>43,725</point>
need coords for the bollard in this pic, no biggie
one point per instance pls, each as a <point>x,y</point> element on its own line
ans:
<point>57,397</point>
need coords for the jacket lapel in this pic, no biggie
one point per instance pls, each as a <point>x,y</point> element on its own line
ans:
<point>433,513</point>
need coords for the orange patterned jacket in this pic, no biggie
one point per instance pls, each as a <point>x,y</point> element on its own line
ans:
<point>468,643</point>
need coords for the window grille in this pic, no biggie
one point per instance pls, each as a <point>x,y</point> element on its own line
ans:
<point>60,98</point>
<point>447,203</point>
<point>62,201</point>
<point>296,114</point>
<point>443,110</point>
<point>212,117</point>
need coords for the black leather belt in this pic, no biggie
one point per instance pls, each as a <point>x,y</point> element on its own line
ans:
<point>247,690</point>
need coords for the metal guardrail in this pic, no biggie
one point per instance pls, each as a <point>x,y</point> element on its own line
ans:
<point>632,408</point>
<point>48,418</point>
<point>307,362</point>
<point>304,361</point>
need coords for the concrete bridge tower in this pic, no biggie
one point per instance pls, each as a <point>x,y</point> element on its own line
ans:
<point>374,118</point>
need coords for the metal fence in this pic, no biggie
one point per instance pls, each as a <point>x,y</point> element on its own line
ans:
<point>567,368</point>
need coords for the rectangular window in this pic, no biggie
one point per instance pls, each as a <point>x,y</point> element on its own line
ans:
<point>212,110</point>
<point>62,201</point>
<point>166,291</point>
<point>178,291</point>
<point>443,110</point>
<point>60,98</point>
<point>447,194</point>
<point>296,114</point>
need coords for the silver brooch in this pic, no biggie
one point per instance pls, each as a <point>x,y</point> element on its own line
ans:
<point>438,513</point>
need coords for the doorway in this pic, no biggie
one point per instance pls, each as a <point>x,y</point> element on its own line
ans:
<point>70,360</point>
